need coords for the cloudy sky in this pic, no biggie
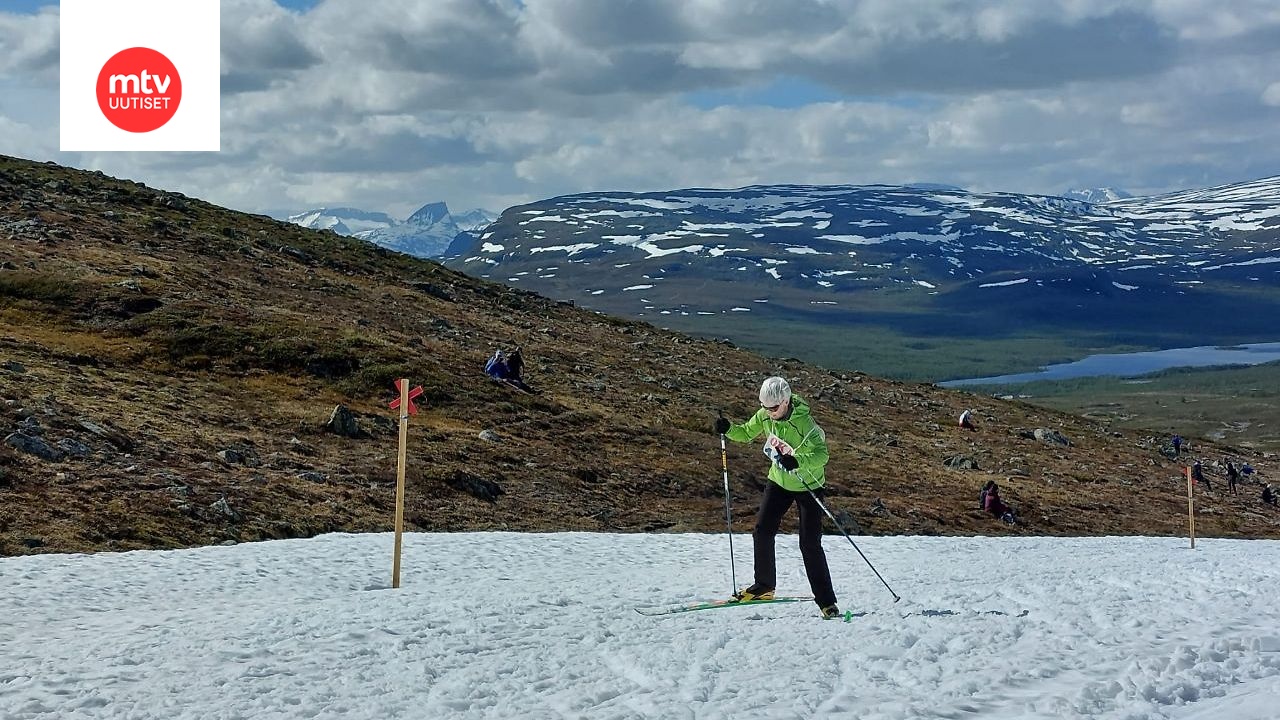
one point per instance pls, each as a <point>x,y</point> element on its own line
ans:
<point>389,104</point>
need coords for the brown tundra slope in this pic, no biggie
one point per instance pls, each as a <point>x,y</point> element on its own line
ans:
<point>168,370</point>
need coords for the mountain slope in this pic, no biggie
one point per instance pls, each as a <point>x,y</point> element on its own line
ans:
<point>929,263</point>
<point>428,232</point>
<point>168,368</point>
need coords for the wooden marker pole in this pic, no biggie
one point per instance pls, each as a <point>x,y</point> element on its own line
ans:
<point>404,403</point>
<point>404,444</point>
<point>1191,509</point>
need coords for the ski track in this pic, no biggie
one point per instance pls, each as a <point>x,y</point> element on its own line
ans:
<point>487,625</point>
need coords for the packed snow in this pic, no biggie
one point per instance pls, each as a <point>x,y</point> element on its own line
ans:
<point>506,625</point>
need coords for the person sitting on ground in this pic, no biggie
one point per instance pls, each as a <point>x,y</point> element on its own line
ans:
<point>982,494</point>
<point>515,365</point>
<point>497,368</point>
<point>515,370</point>
<point>1268,495</point>
<point>1197,475</point>
<point>1246,470</point>
<point>995,506</point>
<point>966,420</point>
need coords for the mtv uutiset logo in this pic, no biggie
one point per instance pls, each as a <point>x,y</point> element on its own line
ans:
<point>139,90</point>
<point>139,75</point>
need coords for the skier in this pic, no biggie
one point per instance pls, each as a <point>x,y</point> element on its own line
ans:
<point>797,450</point>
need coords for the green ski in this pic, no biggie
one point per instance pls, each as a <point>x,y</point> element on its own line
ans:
<point>712,604</point>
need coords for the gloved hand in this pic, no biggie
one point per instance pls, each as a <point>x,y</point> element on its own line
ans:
<point>722,426</point>
<point>788,462</point>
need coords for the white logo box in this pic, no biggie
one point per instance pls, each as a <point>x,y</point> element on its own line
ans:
<point>185,31</point>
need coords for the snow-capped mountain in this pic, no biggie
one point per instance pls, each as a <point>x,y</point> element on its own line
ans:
<point>1097,195</point>
<point>344,220</point>
<point>928,260</point>
<point>473,220</point>
<point>425,233</point>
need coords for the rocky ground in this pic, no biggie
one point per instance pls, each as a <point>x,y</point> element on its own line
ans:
<point>176,374</point>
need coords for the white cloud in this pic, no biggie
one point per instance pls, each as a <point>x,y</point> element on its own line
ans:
<point>1271,96</point>
<point>387,104</point>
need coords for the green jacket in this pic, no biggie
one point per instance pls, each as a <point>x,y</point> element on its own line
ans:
<point>799,432</point>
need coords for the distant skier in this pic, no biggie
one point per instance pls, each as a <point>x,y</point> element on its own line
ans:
<point>797,450</point>
<point>1233,476</point>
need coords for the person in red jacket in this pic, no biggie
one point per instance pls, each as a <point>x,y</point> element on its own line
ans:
<point>994,505</point>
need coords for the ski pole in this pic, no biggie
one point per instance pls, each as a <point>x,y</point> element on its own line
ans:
<point>728,515</point>
<point>840,527</point>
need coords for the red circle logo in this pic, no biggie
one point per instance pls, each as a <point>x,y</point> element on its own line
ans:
<point>139,89</point>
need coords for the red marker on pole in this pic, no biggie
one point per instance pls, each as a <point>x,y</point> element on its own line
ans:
<point>405,405</point>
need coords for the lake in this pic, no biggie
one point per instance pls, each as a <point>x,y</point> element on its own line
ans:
<point>1139,363</point>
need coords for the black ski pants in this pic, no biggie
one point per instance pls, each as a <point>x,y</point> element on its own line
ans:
<point>773,506</point>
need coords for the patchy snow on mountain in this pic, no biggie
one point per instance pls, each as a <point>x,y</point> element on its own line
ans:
<point>428,232</point>
<point>939,245</point>
<point>344,220</point>
<point>1097,195</point>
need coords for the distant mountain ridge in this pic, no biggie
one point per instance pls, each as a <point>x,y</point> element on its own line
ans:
<point>924,262</point>
<point>427,233</point>
<point>1097,195</point>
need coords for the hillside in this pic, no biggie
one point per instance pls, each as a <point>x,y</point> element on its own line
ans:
<point>909,282</point>
<point>168,367</point>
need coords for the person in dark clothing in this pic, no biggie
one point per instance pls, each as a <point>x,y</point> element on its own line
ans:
<point>994,505</point>
<point>515,365</point>
<point>1197,474</point>
<point>982,494</point>
<point>797,449</point>
<point>515,370</point>
<point>1177,445</point>
<point>1268,495</point>
<point>1233,476</point>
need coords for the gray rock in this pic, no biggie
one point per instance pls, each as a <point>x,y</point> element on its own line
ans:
<point>343,422</point>
<point>224,508</point>
<point>74,448</point>
<point>961,462</point>
<point>490,436</point>
<point>34,446</point>
<point>475,486</point>
<point>1052,437</point>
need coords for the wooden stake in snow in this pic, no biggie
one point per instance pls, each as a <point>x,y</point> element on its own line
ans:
<point>405,404</point>
<point>1191,509</point>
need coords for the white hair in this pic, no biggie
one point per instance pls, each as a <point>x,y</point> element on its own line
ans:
<point>774,391</point>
